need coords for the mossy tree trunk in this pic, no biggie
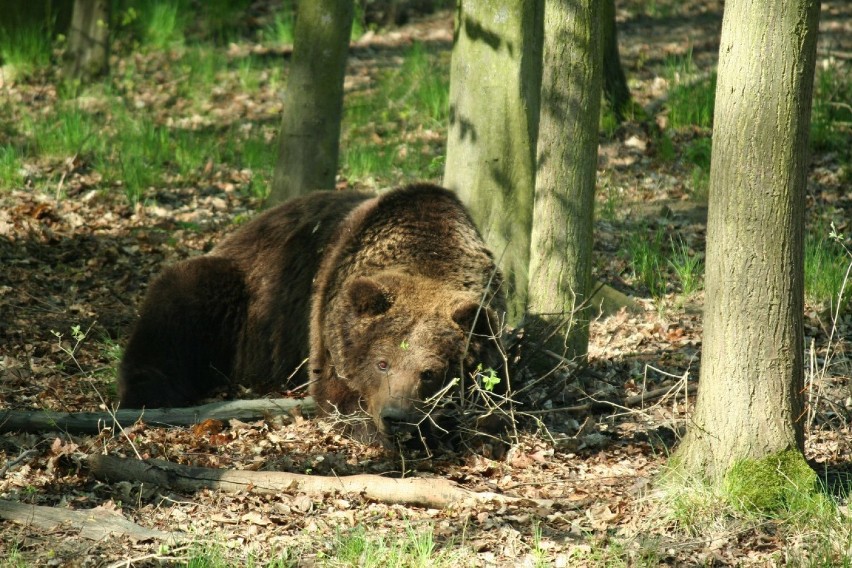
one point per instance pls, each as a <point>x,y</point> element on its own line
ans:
<point>309,141</point>
<point>615,83</point>
<point>88,40</point>
<point>561,253</point>
<point>750,393</point>
<point>494,94</point>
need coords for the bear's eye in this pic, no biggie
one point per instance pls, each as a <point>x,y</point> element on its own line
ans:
<point>382,365</point>
<point>428,376</point>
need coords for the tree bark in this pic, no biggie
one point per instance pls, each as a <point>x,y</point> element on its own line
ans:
<point>309,141</point>
<point>88,40</point>
<point>494,104</point>
<point>94,422</point>
<point>750,396</point>
<point>614,83</point>
<point>94,524</point>
<point>422,492</point>
<point>561,248</point>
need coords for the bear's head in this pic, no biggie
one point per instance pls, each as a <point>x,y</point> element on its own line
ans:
<point>410,348</point>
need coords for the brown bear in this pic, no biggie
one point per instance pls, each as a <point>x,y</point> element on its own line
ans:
<point>392,299</point>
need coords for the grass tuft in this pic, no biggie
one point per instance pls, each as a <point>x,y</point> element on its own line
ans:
<point>10,168</point>
<point>280,31</point>
<point>687,266</point>
<point>691,96</point>
<point>162,24</point>
<point>648,262</point>
<point>826,272</point>
<point>417,548</point>
<point>25,50</point>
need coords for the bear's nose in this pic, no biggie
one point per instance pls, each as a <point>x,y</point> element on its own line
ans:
<point>397,420</point>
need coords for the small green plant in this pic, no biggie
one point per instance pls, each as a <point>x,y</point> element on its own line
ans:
<point>687,266</point>
<point>488,377</point>
<point>14,558</point>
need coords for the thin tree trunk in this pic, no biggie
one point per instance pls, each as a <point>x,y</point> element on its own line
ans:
<point>309,140</point>
<point>561,253</point>
<point>615,83</point>
<point>750,396</point>
<point>88,40</point>
<point>494,93</point>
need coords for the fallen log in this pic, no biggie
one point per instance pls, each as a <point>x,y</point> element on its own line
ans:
<point>94,422</point>
<point>93,524</point>
<point>434,493</point>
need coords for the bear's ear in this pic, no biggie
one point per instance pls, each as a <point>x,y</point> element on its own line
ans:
<point>368,297</point>
<point>482,320</point>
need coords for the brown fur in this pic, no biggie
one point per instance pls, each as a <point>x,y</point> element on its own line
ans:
<point>382,293</point>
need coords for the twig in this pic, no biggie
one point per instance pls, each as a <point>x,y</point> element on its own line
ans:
<point>630,401</point>
<point>10,464</point>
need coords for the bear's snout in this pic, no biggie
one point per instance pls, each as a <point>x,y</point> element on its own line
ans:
<point>398,421</point>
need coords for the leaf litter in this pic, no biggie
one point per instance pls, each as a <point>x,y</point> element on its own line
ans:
<point>84,259</point>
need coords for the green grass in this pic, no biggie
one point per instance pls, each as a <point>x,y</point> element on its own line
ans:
<point>280,31</point>
<point>66,132</point>
<point>797,506</point>
<point>826,271</point>
<point>416,548</point>
<point>27,49</point>
<point>418,87</point>
<point>697,154</point>
<point>162,23</point>
<point>200,67</point>
<point>404,103</point>
<point>361,162</point>
<point>648,261</point>
<point>691,98</point>
<point>10,168</point>
<point>687,266</point>
<point>831,120</point>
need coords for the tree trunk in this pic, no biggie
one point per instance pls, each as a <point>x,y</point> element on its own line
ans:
<point>422,492</point>
<point>309,142</point>
<point>561,250</point>
<point>94,524</point>
<point>750,396</point>
<point>95,422</point>
<point>88,40</point>
<point>494,92</point>
<point>615,83</point>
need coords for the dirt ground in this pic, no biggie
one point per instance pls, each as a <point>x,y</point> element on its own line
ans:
<point>85,260</point>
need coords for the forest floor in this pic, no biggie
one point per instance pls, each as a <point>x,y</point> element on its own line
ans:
<point>77,254</point>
